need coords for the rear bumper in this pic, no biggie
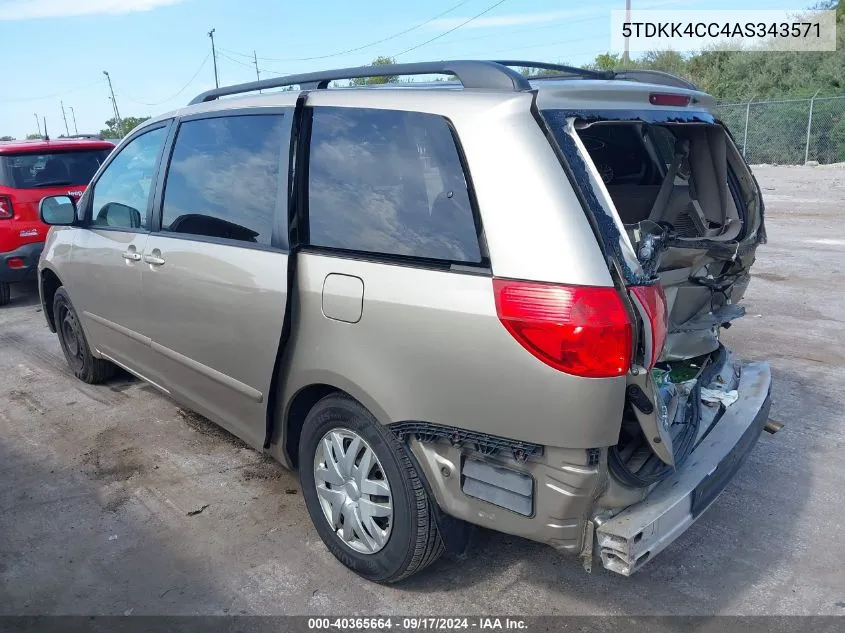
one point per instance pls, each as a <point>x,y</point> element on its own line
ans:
<point>641,531</point>
<point>29,254</point>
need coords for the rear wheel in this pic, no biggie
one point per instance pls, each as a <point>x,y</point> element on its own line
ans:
<point>5,293</point>
<point>363,493</point>
<point>74,344</point>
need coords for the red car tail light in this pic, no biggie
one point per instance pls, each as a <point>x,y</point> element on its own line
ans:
<point>580,330</point>
<point>664,99</point>
<point>654,301</point>
<point>6,208</point>
<point>15,263</point>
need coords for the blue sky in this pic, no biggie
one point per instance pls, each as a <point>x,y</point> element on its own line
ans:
<point>157,51</point>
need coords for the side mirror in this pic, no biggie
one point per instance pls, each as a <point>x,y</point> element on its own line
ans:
<point>117,214</point>
<point>57,210</point>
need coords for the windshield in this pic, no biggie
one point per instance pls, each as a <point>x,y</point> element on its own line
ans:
<point>54,169</point>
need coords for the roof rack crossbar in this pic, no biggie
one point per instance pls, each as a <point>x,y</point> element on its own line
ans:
<point>472,74</point>
<point>655,77</point>
<point>565,70</point>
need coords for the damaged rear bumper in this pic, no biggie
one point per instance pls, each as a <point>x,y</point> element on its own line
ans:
<point>638,533</point>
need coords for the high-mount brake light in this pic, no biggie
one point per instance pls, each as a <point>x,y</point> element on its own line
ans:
<point>668,99</point>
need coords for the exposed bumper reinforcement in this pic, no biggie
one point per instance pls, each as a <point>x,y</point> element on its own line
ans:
<point>642,530</point>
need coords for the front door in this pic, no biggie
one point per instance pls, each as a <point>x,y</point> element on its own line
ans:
<point>103,277</point>
<point>215,274</point>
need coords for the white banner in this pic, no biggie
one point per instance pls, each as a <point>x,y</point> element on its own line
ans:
<point>735,30</point>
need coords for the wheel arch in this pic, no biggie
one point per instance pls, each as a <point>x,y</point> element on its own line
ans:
<point>303,400</point>
<point>48,282</point>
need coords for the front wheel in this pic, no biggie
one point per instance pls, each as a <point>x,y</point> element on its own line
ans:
<point>364,494</point>
<point>74,344</point>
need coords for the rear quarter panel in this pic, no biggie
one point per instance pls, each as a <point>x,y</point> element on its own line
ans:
<point>429,347</point>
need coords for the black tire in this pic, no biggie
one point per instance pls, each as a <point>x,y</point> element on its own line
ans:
<point>5,293</point>
<point>74,344</point>
<point>414,541</point>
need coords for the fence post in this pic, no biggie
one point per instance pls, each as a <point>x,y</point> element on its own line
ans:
<point>745,135</point>
<point>809,125</point>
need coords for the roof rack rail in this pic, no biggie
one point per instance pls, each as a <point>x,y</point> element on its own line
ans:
<point>655,77</point>
<point>98,137</point>
<point>563,70</point>
<point>472,74</point>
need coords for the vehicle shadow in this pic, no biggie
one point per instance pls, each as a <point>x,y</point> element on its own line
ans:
<point>24,295</point>
<point>751,529</point>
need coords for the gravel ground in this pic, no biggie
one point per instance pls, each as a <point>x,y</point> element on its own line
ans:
<point>100,487</point>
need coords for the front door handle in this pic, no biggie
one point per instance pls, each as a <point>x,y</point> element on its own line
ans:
<point>132,256</point>
<point>154,259</point>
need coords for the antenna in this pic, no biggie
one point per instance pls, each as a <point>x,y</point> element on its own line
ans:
<point>46,136</point>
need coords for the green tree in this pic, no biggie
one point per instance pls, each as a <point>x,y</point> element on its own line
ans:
<point>33,137</point>
<point>7,138</point>
<point>113,130</point>
<point>381,60</point>
<point>537,72</point>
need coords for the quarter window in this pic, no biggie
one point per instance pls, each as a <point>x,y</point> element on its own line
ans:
<point>223,179</point>
<point>389,182</point>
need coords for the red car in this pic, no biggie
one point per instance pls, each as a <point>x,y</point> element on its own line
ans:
<point>30,171</point>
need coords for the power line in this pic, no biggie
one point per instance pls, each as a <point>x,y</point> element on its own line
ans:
<point>176,94</point>
<point>453,29</point>
<point>558,42</point>
<point>55,94</point>
<point>556,25</point>
<point>358,48</point>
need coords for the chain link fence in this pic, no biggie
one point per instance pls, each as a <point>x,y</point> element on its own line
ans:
<point>788,131</point>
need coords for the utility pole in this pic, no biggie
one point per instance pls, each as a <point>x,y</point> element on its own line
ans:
<point>255,60</point>
<point>37,122</point>
<point>626,56</point>
<point>64,116</point>
<point>73,114</point>
<point>214,57</point>
<point>114,103</point>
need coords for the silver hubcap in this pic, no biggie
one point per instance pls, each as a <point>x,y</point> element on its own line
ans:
<point>353,491</point>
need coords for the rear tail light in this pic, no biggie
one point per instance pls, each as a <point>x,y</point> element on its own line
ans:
<point>5,207</point>
<point>15,263</point>
<point>653,301</point>
<point>664,99</point>
<point>580,330</point>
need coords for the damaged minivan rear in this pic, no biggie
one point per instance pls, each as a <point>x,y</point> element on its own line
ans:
<point>678,216</point>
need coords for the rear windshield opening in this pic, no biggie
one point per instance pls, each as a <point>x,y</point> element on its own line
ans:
<point>670,174</point>
<point>54,169</point>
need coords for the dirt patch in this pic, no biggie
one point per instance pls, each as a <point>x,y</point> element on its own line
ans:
<point>770,277</point>
<point>26,399</point>
<point>207,428</point>
<point>110,460</point>
<point>266,470</point>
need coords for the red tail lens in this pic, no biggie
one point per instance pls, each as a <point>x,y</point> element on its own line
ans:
<point>15,263</point>
<point>580,330</point>
<point>5,208</point>
<point>654,301</point>
<point>662,99</point>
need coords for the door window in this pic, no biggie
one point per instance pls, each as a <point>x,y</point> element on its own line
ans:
<point>122,192</point>
<point>223,180</point>
<point>389,182</point>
